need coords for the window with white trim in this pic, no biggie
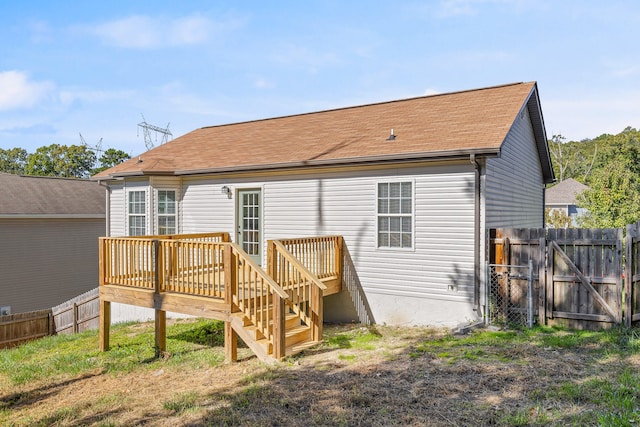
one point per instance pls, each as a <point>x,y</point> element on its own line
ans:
<point>395,214</point>
<point>167,212</point>
<point>137,213</point>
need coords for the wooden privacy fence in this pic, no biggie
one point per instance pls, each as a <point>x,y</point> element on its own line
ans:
<point>578,274</point>
<point>76,315</point>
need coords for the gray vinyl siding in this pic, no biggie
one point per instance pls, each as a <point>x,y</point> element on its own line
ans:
<point>117,208</point>
<point>514,184</point>
<point>440,264</point>
<point>45,262</point>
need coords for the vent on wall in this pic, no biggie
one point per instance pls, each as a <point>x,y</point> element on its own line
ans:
<point>5,310</point>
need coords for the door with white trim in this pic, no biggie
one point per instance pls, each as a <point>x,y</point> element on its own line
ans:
<point>249,220</point>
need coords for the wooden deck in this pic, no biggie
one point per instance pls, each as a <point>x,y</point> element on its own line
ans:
<point>276,312</point>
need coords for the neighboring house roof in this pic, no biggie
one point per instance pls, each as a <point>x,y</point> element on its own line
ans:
<point>564,193</point>
<point>27,196</point>
<point>429,127</point>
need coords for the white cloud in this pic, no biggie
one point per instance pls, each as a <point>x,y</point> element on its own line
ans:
<point>431,91</point>
<point>146,32</point>
<point>18,92</point>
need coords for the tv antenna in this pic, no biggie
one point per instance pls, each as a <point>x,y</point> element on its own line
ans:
<point>96,148</point>
<point>148,128</point>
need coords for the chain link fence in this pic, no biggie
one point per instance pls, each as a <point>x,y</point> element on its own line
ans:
<point>509,296</point>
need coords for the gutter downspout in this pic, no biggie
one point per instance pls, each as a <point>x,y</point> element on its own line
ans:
<point>476,234</point>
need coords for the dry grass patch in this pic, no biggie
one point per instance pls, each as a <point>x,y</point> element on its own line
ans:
<point>378,376</point>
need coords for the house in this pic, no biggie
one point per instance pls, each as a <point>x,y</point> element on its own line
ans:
<point>412,186</point>
<point>563,197</point>
<point>50,229</point>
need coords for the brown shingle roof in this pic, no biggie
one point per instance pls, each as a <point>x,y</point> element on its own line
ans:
<point>34,195</point>
<point>431,126</point>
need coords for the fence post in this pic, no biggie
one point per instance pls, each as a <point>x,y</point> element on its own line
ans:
<point>629,269</point>
<point>530,295</point>
<point>75,318</point>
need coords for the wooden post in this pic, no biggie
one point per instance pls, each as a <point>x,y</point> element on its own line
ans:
<point>230,343</point>
<point>101,261</point>
<point>339,258</point>
<point>542,288</point>
<point>316,313</point>
<point>272,265</point>
<point>75,318</point>
<point>279,345</point>
<point>160,315</point>
<point>629,270</point>
<point>230,268</point>
<point>230,277</point>
<point>161,332</point>
<point>105,324</point>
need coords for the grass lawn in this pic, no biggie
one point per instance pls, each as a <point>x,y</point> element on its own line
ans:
<point>379,376</point>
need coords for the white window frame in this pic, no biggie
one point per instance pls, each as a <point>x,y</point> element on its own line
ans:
<point>142,215</point>
<point>173,215</point>
<point>406,218</point>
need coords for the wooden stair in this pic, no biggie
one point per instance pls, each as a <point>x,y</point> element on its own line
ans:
<point>297,336</point>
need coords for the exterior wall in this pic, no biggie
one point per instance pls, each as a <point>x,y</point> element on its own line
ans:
<point>45,262</point>
<point>514,189</point>
<point>432,283</point>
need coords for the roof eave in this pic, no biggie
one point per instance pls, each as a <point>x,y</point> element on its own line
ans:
<point>354,161</point>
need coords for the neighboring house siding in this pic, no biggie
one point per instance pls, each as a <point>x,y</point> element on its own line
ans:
<point>46,262</point>
<point>430,283</point>
<point>514,185</point>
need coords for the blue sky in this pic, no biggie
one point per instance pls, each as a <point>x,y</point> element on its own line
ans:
<point>70,67</point>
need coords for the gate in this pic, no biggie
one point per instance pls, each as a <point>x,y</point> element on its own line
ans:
<point>577,273</point>
<point>510,295</point>
<point>584,277</point>
<point>632,276</point>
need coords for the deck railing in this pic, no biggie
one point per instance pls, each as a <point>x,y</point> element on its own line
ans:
<point>208,265</point>
<point>260,299</point>
<point>185,263</point>
<point>304,289</point>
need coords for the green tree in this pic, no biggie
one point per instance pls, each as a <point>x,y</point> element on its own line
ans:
<point>109,159</point>
<point>62,161</point>
<point>556,218</point>
<point>13,160</point>
<point>613,200</point>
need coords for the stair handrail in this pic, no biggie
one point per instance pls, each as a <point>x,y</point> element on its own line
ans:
<point>265,312</point>
<point>297,295</point>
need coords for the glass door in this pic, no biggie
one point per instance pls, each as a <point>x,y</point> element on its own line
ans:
<point>249,223</point>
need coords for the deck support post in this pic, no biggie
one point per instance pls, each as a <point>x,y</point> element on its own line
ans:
<point>230,343</point>
<point>105,324</point>
<point>230,289</point>
<point>161,332</point>
<point>160,315</point>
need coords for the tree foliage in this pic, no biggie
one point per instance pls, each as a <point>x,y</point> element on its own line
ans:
<point>78,161</point>
<point>610,166</point>
<point>109,159</point>
<point>556,218</point>
<point>13,160</point>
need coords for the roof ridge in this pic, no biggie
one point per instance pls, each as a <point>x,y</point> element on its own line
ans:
<point>371,104</point>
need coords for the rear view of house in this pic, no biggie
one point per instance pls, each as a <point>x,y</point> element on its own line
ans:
<point>410,185</point>
<point>49,229</point>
